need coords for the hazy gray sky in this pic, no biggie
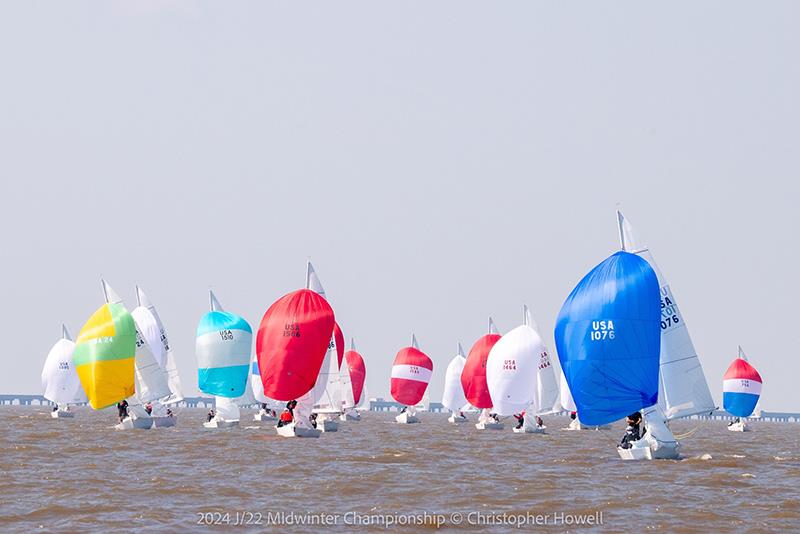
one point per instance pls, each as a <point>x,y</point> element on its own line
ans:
<point>439,161</point>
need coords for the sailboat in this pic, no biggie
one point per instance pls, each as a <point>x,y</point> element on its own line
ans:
<point>327,391</point>
<point>411,373</point>
<point>151,376</point>
<point>364,404</point>
<point>60,382</point>
<point>353,375</point>
<point>104,354</point>
<point>683,389</point>
<point>157,334</point>
<point>223,345</point>
<point>292,344</point>
<point>453,397</point>
<point>608,336</point>
<point>741,390</point>
<point>473,379</point>
<point>264,414</point>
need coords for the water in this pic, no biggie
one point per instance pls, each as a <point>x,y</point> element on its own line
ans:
<point>81,475</point>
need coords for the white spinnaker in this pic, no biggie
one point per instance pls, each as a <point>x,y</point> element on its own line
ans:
<point>511,370</point>
<point>346,386</point>
<point>60,381</point>
<point>151,378</point>
<point>566,396</point>
<point>453,397</point>
<point>255,382</point>
<point>227,409</point>
<point>683,389</point>
<point>168,358</point>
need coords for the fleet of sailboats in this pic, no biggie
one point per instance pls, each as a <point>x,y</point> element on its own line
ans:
<point>623,346</point>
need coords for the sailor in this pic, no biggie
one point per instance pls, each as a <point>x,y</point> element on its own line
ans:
<point>286,418</point>
<point>520,419</point>
<point>539,422</point>
<point>148,408</point>
<point>404,409</point>
<point>632,432</point>
<point>290,406</point>
<point>461,415</point>
<point>264,406</point>
<point>313,419</point>
<point>210,415</point>
<point>122,409</point>
<point>573,415</point>
<point>735,421</point>
<point>55,408</point>
<point>169,412</point>
<point>494,417</point>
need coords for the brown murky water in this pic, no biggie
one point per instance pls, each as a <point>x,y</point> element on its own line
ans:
<point>81,475</point>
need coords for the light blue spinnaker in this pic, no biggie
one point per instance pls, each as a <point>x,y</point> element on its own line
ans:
<point>608,337</point>
<point>223,347</point>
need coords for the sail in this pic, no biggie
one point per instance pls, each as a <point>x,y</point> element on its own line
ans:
<point>104,355</point>
<point>346,385</point>
<point>453,397</point>
<point>546,398</point>
<point>608,339</point>
<point>411,372</point>
<point>327,391</point>
<point>292,343</point>
<point>684,389</point>
<point>566,397</point>
<point>338,339</point>
<point>166,357</point>
<point>227,408</point>
<point>741,388</point>
<point>60,382</point>
<point>151,377</point>
<point>255,382</point>
<point>358,372</point>
<point>473,377</point>
<point>512,370</point>
<point>223,346</point>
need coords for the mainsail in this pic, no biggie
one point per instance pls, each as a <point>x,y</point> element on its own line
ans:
<point>683,388</point>
<point>546,399</point>
<point>151,376</point>
<point>60,382</point>
<point>473,377</point>
<point>104,353</point>
<point>608,339</point>
<point>223,347</point>
<point>167,358</point>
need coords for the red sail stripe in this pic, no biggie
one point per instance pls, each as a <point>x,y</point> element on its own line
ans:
<point>742,369</point>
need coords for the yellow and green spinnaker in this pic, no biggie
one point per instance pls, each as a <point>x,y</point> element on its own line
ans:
<point>104,356</point>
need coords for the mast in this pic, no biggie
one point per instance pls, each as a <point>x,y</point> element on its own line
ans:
<point>352,344</point>
<point>65,332</point>
<point>414,341</point>
<point>620,223</point>
<point>492,326</point>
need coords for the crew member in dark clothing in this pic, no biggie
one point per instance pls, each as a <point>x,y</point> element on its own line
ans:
<point>210,415</point>
<point>632,432</point>
<point>520,419</point>
<point>264,406</point>
<point>539,422</point>
<point>290,406</point>
<point>313,419</point>
<point>122,409</point>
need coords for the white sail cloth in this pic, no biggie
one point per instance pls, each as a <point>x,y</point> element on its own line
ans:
<point>453,397</point>
<point>511,370</point>
<point>60,381</point>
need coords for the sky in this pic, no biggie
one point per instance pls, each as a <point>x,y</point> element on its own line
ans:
<point>440,162</point>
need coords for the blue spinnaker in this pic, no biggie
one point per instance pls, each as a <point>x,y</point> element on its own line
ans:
<point>608,337</point>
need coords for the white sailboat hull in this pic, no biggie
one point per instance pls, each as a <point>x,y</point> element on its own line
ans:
<point>62,414</point>
<point>488,426</point>
<point>327,425</point>
<point>741,426</point>
<point>164,421</point>
<point>455,420</point>
<point>350,416</point>
<point>657,444</point>
<point>530,430</point>
<point>220,423</point>
<point>264,416</point>
<point>406,418</point>
<point>141,423</point>
<point>291,431</point>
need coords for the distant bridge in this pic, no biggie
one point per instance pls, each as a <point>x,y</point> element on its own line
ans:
<point>39,400</point>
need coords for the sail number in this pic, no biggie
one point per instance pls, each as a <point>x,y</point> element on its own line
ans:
<point>670,315</point>
<point>291,330</point>
<point>602,330</point>
<point>226,335</point>
<point>544,360</point>
<point>413,369</point>
<point>510,365</point>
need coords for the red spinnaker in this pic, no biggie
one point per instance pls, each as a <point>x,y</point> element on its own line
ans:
<point>338,337</point>
<point>411,373</point>
<point>473,377</point>
<point>291,343</point>
<point>358,372</point>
